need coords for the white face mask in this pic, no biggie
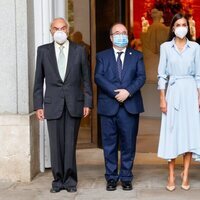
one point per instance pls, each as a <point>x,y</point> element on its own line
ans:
<point>60,37</point>
<point>181,32</point>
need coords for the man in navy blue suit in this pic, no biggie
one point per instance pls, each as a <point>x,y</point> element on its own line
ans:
<point>119,75</point>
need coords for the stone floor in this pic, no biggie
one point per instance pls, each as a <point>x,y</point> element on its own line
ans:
<point>149,182</point>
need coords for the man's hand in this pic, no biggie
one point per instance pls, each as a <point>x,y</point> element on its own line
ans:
<point>40,114</point>
<point>86,112</point>
<point>122,95</point>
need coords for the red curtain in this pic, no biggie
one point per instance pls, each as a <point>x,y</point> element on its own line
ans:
<point>142,7</point>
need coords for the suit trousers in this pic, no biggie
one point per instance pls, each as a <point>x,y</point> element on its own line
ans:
<point>122,128</point>
<point>63,133</point>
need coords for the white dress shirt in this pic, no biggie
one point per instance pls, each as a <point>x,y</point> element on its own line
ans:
<point>122,56</point>
<point>65,50</point>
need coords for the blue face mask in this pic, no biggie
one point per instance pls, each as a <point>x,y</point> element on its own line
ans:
<point>120,40</point>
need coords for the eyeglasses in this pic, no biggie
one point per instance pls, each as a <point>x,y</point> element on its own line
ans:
<point>119,33</point>
<point>64,28</point>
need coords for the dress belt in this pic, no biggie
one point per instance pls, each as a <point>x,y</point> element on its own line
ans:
<point>173,79</point>
<point>175,97</point>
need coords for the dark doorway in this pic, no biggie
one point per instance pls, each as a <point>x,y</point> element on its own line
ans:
<point>107,13</point>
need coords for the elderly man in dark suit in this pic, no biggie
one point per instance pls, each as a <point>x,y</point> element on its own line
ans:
<point>63,65</point>
<point>119,75</point>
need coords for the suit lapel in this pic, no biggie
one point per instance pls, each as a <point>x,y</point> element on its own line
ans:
<point>127,61</point>
<point>114,63</point>
<point>52,58</point>
<point>71,55</point>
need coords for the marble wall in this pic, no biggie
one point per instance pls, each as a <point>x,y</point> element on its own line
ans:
<point>8,55</point>
<point>19,130</point>
<point>19,152</point>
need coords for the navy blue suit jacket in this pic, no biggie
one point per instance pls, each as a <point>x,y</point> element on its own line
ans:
<point>107,80</point>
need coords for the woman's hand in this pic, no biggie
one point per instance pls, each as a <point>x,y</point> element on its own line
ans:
<point>163,102</point>
<point>163,105</point>
<point>198,90</point>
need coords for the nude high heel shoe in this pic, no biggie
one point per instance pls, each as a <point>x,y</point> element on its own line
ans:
<point>184,187</point>
<point>171,187</point>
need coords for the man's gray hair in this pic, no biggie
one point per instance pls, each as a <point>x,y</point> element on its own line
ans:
<point>60,18</point>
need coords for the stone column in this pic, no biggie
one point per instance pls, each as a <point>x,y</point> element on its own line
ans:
<point>59,8</point>
<point>19,130</point>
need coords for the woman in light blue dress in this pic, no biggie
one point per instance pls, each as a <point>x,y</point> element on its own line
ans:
<point>179,73</point>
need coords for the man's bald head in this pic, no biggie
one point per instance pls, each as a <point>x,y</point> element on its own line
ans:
<point>116,27</point>
<point>59,24</point>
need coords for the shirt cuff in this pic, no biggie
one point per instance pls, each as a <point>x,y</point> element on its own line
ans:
<point>161,83</point>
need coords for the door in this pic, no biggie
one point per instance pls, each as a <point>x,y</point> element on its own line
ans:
<point>107,13</point>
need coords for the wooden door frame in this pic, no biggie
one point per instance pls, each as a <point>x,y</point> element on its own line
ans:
<point>94,121</point>
<point>94,117</point>
<point>93,63</point>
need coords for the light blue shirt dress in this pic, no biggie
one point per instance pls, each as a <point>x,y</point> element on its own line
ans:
<point>179,73</point>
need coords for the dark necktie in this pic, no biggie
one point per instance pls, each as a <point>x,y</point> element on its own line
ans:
<point>119,64</point>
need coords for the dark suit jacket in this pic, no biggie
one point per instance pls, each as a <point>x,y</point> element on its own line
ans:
<point>107,79</point>
<point>75,90</point>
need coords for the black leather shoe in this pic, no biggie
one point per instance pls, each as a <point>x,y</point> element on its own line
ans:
<point>111,185</point>
<point>71,189</point>
<point>55,190</point>
<point>127,185</point>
